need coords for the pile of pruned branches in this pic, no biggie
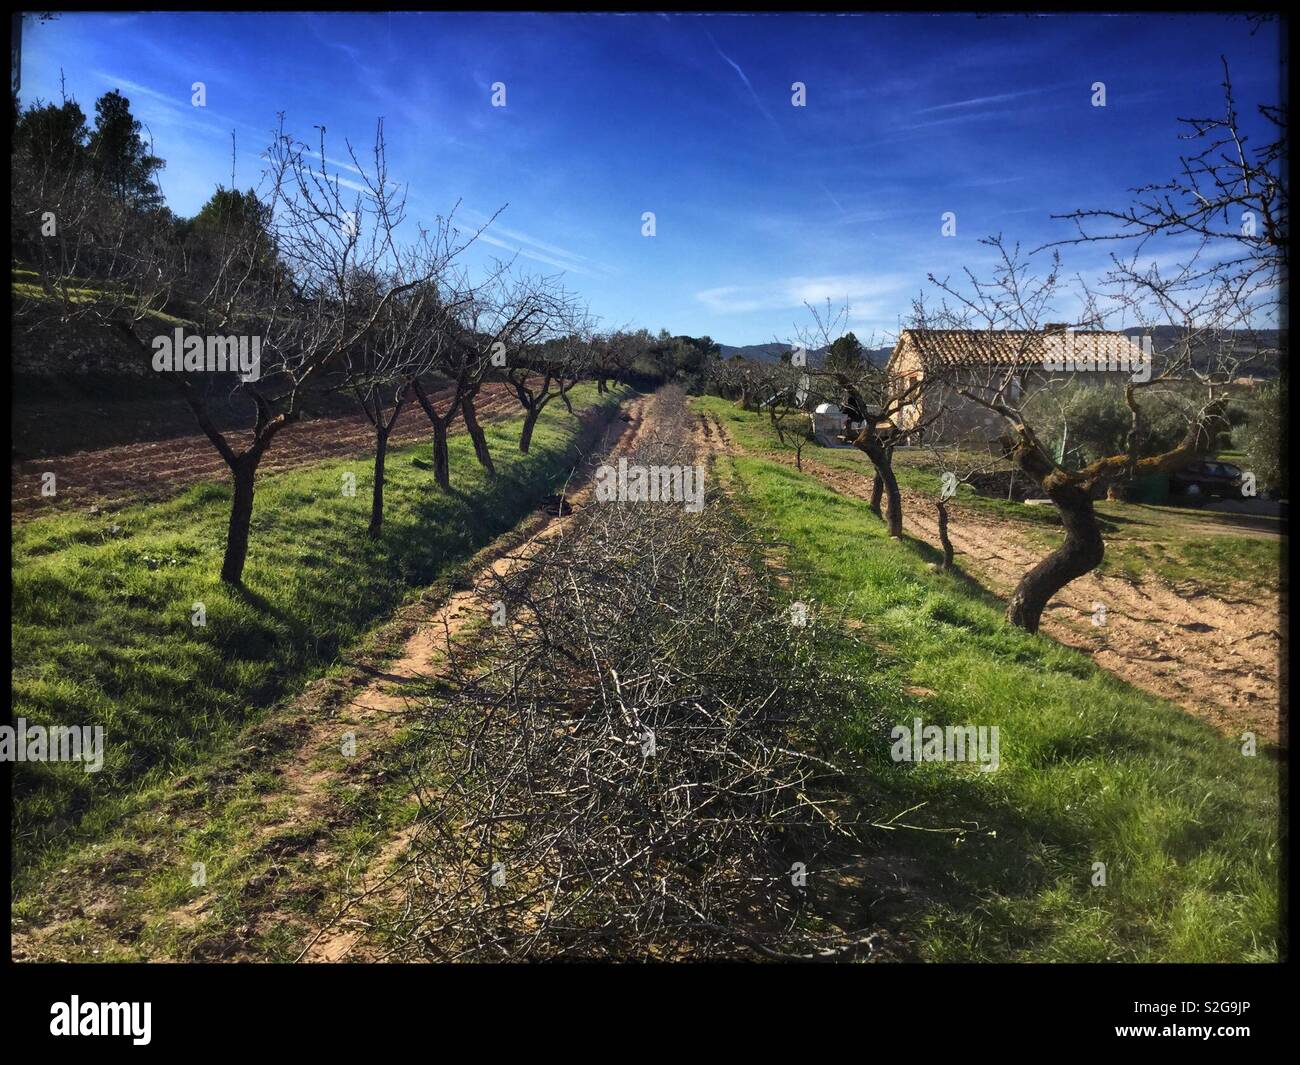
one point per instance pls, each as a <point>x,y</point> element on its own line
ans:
<point>616,771</point>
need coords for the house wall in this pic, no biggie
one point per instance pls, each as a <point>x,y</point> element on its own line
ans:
<point>963,418</point>
<point>904,366</point>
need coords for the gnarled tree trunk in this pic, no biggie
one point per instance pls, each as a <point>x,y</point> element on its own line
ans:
<point>441,457</point>
<point>1081,552</point>
<point>244,471</point>
<point>530,423</point>
<point>441,427</point>
<point>477,435</point>
<point>882,459</point>
<point>944,542</point>
<point>383,429</point>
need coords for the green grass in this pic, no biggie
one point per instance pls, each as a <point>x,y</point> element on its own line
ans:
<point>917,471</point>
<point>233,814</point>
<point>228,818</point>
<point>102,607</point>
<point>1181,546</point>
<point>1092,770</point>
<point>1177,544</point>
<point>25,285</point>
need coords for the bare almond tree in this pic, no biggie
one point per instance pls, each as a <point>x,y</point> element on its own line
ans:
<point>753,383</point>
<point>1229,198</point>
<point>615,353</point>
<point>380,367</point>
<point>1006,310</point>
<point>307,319</point>
<point>453,355</point>
<point>507,314</point>
<point>476,329</point>
<point>788,413</point>
<point>304,317</point>
<point>882,406</point>
<point>553,355</point>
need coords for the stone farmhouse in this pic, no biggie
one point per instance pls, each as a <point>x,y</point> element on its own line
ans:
<point>982,361</point>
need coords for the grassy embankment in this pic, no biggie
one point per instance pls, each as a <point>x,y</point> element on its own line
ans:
<point>1227,553</point>
<point>1092,770</point>
<point>103,607</point>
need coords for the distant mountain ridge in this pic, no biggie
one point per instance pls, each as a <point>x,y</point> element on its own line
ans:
<point>1262,352</point>
<point>1259,354</point>
<point>772,352</point>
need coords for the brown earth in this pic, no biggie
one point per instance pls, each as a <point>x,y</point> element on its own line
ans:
<point>1217,656</point>
<point>155,469</point>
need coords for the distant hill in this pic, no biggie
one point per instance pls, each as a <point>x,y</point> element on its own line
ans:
<point>772,352</point>
<point>1259,354</point>
<point>1262,352</point>
<point>758,352</point>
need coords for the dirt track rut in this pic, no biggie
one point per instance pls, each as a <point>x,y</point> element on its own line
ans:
<point>1217,656</point>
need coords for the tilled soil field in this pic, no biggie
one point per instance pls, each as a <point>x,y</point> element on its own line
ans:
<point>159,468</point>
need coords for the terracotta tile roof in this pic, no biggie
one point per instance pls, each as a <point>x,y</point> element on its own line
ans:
<point>1006,347</point>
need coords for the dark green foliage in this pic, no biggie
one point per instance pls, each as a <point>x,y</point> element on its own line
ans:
<point>119,155</point>
<point>1262,436</point>
<point>846,354</point>
<point>53,136</point>
<point>1093,421</point>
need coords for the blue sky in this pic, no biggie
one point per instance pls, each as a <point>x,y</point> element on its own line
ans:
<point>759,205</point>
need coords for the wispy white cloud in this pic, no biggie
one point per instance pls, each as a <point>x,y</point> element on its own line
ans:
<point>531,247</point>
<point>530,253</point>
<point>743,77</point>
<point>981,101</point>
<point>864,291</point>
<point>135,87</point>
<point>356,186</point>
<point>334,162</point>
<point>758,102</point>
<point>175,108</point>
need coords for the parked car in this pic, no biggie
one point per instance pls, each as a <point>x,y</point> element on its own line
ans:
<point>1207,480</point>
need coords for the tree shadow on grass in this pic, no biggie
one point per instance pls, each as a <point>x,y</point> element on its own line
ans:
<point>262,605</point>
<point>933,556</point>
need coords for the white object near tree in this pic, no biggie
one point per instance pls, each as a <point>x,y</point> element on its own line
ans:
<point>828,423</point>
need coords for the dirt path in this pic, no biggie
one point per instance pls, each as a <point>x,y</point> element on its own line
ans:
<point>1219,658</point>
<point>384,704</point>
<point>159,468</point>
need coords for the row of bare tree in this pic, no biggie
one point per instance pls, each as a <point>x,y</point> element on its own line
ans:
<point>343,294</point>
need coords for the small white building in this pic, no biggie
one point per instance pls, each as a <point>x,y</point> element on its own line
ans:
<point>828,424</point>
